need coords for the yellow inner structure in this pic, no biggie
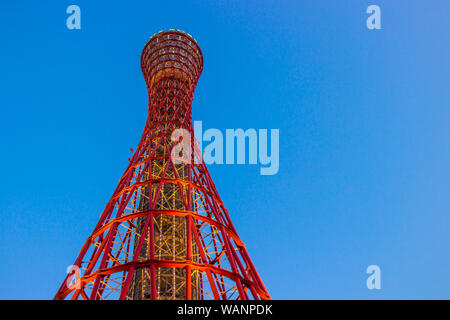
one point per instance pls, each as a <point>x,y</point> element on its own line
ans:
<point>170,234</point>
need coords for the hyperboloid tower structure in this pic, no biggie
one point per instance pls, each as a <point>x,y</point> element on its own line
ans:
<point>165,234</point>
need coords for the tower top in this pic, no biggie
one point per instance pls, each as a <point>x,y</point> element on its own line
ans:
<point>174,52</point>
<point>175,31</point>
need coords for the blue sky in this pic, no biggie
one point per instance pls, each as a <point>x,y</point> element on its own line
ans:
<point>364,136</point>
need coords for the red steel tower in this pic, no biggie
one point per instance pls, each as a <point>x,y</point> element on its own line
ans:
<point>165,233</point>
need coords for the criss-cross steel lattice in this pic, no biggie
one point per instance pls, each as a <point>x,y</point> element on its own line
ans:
<point>165,233</point>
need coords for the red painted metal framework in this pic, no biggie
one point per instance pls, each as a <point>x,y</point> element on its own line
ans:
<point>165,233</point>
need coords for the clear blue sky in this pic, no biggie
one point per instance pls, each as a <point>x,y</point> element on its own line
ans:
<point>364,135</point>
